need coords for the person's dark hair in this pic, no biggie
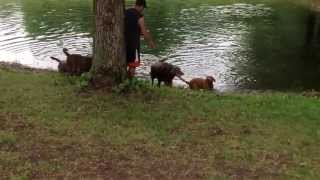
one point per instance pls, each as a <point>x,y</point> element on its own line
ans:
<point>141,3</point>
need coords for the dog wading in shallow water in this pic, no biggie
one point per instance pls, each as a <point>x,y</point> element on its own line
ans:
<point>75,64</point>
<point>164,72</point>
<point>62,66</point>
<point>200,83</point>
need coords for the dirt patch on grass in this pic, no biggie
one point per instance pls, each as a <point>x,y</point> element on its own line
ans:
<point>199,127</point>
<point>102,163</point>
<point>43,155</point>
<point>267,166</point>
<point>14,122</point>
<point>37,151</point>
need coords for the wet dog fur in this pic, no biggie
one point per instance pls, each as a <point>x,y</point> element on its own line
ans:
<point>164,72</point>
<point>201,83</point>
<point>75,64</point>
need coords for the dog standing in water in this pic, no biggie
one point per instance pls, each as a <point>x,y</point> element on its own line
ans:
<point>200,83</point>
<point>164,72</point>
<point>75,64</point>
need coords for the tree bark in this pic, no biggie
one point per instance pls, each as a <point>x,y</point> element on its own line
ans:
<point>109,60</point>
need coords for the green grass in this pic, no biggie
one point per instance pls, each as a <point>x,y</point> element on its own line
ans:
<point>50,129</point>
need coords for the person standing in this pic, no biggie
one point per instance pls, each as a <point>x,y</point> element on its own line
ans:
<point>135,27</point>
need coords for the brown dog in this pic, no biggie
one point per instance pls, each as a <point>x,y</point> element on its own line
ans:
<point>75,64</point>
<point>62,66</point>
<point>200,83</point>
<point>164,72</point>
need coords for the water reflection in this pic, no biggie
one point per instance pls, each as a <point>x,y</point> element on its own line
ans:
<point>311,66</point>
<point>256,46</point>
<point>280,58</point>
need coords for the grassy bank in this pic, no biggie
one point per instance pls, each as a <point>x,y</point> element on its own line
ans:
<point>49,130</point>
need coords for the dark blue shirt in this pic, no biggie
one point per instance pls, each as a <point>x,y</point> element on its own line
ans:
<point>132,33</point>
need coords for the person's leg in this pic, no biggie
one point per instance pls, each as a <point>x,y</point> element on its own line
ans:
<point>131,72</point>
<point>131,69</point>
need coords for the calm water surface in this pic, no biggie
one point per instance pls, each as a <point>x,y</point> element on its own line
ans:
<point>245,45</point>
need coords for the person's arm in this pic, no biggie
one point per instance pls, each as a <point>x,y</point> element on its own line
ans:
<point>146,33</point>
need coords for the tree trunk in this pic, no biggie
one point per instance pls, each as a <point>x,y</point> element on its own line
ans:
<point>109,60</point>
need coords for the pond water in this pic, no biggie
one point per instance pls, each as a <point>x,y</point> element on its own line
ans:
<point>245,45</point>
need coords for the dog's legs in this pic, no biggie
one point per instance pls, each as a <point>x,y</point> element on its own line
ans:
<point>169,84</point>
<point>73,69</point>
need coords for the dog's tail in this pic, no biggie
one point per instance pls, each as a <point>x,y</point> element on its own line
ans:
<point>65,51</point>
<point>56,59</point>
<point>187,82</point>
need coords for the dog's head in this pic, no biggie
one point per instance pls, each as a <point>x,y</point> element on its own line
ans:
<point>210,80</point>
<point>177,71</point>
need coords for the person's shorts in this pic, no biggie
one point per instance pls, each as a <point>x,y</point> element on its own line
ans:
<point>134,64</point>
<point>132,59</point>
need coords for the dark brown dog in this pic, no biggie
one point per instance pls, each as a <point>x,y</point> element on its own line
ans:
<point>62,66</point>
<point>200,83</point>
<point>75,64</point>
<point>164,72</point>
